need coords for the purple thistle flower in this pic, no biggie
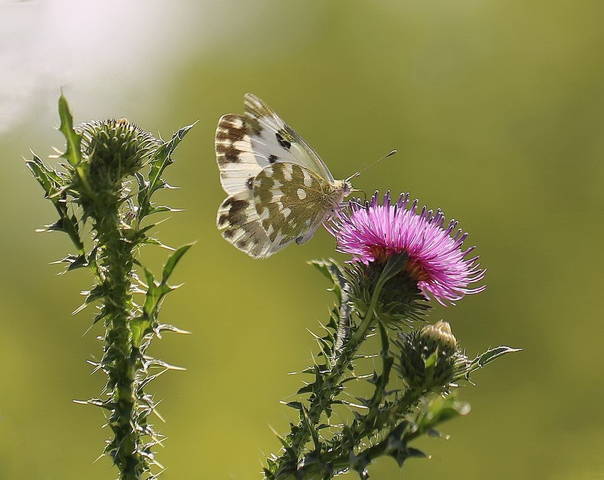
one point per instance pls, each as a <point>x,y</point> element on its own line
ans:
<point>371,232</point>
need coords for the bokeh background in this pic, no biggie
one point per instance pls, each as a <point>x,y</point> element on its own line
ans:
<point>496,109</point>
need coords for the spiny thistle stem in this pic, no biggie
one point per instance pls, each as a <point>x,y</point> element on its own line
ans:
<point>121,360</point>
<point>344,352</point>
<point>104,158</point>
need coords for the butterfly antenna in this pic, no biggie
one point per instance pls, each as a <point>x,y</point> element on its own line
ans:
<point>391,153</point>
<point>372,164</point>
<point>375,162</point>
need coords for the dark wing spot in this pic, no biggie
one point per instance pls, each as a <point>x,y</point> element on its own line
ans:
<point>229,152</point>
<point>236,214</point>
<point>237,206</point>
<point>284,143</point>
<point>231,127</point>
<point>253,126</point>
<point>223,219</point>
<point>234,205</point>
<point>228,233</point>
<point>273,158</point>
<point>242,244</point>
<point>250,183</point>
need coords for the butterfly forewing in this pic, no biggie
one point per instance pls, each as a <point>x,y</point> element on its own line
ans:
<point>237,160</point>
<point>273,136</point>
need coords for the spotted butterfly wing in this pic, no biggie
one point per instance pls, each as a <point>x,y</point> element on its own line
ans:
<point>279,190</point>
<point>292,201</point>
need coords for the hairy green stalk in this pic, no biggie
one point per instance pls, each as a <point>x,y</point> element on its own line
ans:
<point>328,377</point>
<point>121,360</point>
<point>104,160</point>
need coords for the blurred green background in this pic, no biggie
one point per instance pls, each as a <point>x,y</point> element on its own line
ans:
<point>496,109</point>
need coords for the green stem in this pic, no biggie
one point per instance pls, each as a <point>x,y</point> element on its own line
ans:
<point>342,456</point>
<point>320,402</point>
<point>121,361</point>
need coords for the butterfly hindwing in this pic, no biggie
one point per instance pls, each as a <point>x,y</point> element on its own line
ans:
<point>239,224</point>
<point>291,202</point>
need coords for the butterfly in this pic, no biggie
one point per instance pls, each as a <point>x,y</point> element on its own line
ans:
<point>279,190</point>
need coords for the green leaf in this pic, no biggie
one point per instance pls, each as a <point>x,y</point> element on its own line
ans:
<point>162,158</point>
<point>139,327</point>
<point>306,389</point>
<point>437,411</point>
<point>431,361</point>
<point>156,291</point>
<point>73,151</point>
<point>333,272</point>
<point>41,174</point>
<point>54,190</point>
<point>163,208</point>
<point>173,261</point>
<point>165,327</point>
<point>489,356</point>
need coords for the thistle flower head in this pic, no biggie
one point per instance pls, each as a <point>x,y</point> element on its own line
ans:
<point>115,149</point>
<point>374,231</point>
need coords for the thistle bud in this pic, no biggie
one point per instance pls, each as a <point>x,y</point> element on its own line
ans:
<point>439,336</point>
<point>114,149</point>
<point>429,358</point>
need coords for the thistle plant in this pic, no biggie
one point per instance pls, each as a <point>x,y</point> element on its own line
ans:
<point>402,260</point>
<point>103,193</point>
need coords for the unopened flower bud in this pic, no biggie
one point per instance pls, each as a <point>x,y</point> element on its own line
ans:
<point>439,335</point>
<point>429,359</point>
<point>114,149</point>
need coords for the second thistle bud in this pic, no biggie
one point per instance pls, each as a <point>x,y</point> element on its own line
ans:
<point>429,358</point>
<point>438,336</point>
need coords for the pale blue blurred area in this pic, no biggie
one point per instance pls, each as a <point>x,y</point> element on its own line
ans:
<point>496,109</point>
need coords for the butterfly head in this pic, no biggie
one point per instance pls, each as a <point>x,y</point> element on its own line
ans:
<point>346,185</point>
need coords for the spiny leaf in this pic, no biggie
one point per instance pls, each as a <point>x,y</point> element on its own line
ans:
<point>73,151</point>
<point>160,161</point>
<point>332,271</point>
<point>139,327</point>
<point>164,327</point>
<point>173,261</point>
<point>437,411</point>
<point>55,192</point>
<point>42,174</point>
<point>73,261</point>
<point>490,355</point>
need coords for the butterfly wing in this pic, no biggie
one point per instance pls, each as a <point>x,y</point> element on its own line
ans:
<point>239,224</point>
<point>276,141</point>
<point>236,158</point>
<point>245,144</point>
<point>253,144</point>
<point>291,202</point>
